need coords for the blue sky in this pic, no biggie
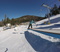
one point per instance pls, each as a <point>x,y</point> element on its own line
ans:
<point>18,8</point>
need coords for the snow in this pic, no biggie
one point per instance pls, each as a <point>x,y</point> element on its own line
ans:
<point>40,44</point>
<point>47,36</point>
<point>20,39</point>
<point>55,23</point>
<point>14,41</point>
<point>54,19</point>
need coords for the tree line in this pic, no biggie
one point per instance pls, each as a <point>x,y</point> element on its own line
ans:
<point>19,20</point>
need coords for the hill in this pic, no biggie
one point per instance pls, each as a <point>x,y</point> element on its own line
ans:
<point>22,19</point>
<point>27,18</point>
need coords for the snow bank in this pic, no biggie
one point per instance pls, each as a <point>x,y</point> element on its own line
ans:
<point>55,23</point>
<point>53,19</point>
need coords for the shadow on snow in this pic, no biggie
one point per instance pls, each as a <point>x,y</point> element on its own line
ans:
<point>41,45</point>
<point>50,27</point>
<point>52,21</point>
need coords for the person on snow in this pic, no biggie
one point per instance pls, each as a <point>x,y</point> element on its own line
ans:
<point>30,24</point>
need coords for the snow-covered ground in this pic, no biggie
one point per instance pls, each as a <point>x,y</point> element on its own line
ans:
<point>54,20</point>
<point>19,39</point>
<point>14,40</point>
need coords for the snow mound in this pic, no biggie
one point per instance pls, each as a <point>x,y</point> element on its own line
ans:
<point>55,23</point>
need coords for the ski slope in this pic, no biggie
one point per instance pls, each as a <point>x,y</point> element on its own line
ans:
<point>19,39</point>
<point>14,41</point>
<point>54,20</point>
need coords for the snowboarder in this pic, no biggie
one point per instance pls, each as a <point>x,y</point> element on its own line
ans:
<point>30,24</point>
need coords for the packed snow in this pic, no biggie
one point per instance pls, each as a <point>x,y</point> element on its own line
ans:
<point>20,39</point>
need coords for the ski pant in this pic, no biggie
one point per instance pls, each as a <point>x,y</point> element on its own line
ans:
<point>30,25</point>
